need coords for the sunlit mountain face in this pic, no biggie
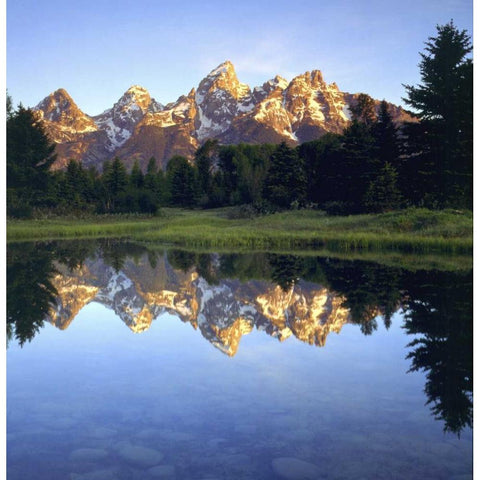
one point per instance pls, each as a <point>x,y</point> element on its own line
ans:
<point>221,108</point>
<point>223,311</point>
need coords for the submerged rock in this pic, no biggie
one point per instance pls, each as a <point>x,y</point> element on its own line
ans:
<point>102,432</point>
<point>104,474</point>
<point>246,429</point>
<point>140,456</point>
<point>88,455</point>
<point>162,471</point>
<point>292,468</point>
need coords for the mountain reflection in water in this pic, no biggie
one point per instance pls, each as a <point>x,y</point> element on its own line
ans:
<point>227,296</point>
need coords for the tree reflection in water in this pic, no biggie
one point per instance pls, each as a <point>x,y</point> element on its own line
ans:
<point>30,292</point>
<point>437,306</point>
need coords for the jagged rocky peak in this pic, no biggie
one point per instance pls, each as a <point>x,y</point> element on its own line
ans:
<point>59,107</point>
<point>315,107</point>
<point>53,105</point>
<point>308,80</point>
<point>223,78</point>
<point>221,108</point>
<point>276,83</point>
<point>220,98</point>
<point>119,121</point>
<point>136,97</point>
<point>183,110</point>
<point>223,313</point>
<point>132,105</point>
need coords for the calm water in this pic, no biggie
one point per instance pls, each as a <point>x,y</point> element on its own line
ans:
<point>125,363</point>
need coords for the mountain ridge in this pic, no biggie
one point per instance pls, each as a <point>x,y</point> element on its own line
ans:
<point>138,127</point>
<point>224,312</point>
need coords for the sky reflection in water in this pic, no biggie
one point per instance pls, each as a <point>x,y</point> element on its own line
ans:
<point>96,401</point>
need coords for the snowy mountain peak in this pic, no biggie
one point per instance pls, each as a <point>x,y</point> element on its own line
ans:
<point>313,79</point>
<point>60,109</point>
<point>220,108</point>
<point>222,313</point>
<point>279,81</point>
<point>57,102</point>
<point>137,89</point>
<point>225,68</point>
<point>260,93</point>
<point>220,97</point>
<point>119,121</point>
<point>134,98</point>
<point>223,78</point>
<point>316,77</point>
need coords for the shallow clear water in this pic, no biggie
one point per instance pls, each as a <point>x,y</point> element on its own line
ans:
<point>199,394</point>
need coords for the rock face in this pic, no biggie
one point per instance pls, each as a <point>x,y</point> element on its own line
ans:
<point>221,107</point>
<point>119,121</point>
<point>222,313</point>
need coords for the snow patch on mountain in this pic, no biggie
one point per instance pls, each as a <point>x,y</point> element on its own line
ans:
<point>208,128</point>
<point>221,107</point>
<point>346,113</point>
<point>117,135</point>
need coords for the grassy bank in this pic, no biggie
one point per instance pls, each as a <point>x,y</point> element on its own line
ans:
<point>413,230</point>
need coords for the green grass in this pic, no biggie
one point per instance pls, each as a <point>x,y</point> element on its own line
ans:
<point>412,230</point>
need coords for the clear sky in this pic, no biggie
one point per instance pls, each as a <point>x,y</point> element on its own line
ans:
<point>97,49</point>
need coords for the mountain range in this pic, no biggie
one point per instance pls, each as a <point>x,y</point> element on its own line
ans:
<point>139,294</point>
<point>221,107</point>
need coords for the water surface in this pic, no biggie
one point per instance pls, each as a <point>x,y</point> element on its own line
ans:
<point>128,363</point>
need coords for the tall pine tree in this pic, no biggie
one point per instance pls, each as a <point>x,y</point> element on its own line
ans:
<point>444,104</point>
<point>286,181</point>
<point>30,155</point>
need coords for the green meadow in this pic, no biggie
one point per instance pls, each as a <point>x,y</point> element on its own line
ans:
<point>409,231</point>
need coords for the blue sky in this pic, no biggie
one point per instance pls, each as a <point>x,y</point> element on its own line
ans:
<point>97,49</point>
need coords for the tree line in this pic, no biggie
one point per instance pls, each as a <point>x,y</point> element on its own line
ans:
<point>375,165</point>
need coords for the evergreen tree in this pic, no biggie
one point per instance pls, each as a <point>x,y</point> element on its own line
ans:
<point>252,171</point>
<point>227,161</point>
<point>364,109</point>
<point>181,182</point>
<point>161,184</point>
<point>356,166</point>
<point>150,179</point>
<point>383,194</point>
<point>136,176</point>
<point>246,175</point>
<point>286,270</point>
<point>444,104</point>
<point>206,158</point>
<point>439,313</point>
<point>30,292</point>
<point>286,182</point>
<point>78,187</point>
<point>321,159</point>
<point>29,157</point>
<point>115,180</point>
<point>9,106</point>
<point>386,137</point>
